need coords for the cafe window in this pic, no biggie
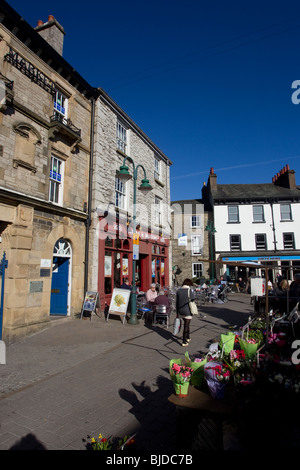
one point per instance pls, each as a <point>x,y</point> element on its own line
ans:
<point>116,264</point>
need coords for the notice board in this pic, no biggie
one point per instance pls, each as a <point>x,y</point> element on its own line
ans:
<point>90,302</point>
<point>119,303</point>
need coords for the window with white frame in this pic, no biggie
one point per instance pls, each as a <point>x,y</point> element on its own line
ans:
<point>197,270</point>
<point>233,214</point>
<point>157,211</point>
<point>196,244</point>
<point>60,106</point>
<point>258,213</point>
<point>157,166</point>
<point>288,241</point>
<point>121,137</point>
<point>195,221</point>
<point>285,212</point>
<point>56,180</point>
<point>120,192</point>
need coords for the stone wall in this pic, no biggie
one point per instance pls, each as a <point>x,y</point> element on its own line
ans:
<point>31,224</point>
<point>108,160</point>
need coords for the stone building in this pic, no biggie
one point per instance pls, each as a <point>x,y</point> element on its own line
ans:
<point>118,141</point>
<point>45,132</point>
<point>190,240</point>
<point>66,219</point>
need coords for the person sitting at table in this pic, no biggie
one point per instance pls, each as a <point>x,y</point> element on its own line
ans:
<point>162,299</point>
<point>151,295</point>
<point>126,284</point>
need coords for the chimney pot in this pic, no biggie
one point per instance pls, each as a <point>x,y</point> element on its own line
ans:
<point>211,171</point>
<point>50,17</point>
<point>40,22</point>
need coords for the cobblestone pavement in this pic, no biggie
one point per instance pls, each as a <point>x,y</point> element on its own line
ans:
<point>79,378</point>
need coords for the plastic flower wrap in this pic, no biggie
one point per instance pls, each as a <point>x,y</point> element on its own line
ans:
<point>216,375</point>
<point>227,342</point>
<point>197,365</point>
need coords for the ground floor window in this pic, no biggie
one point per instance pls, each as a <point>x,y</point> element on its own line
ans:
<point>197,270</point>
<point>116,264</point>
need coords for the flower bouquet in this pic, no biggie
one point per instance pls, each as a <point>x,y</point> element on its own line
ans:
<point>197,365</point>
<point>216,375</point>
<point>181,375</point>
<point>251,342</point>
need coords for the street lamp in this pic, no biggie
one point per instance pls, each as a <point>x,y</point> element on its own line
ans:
<point>124,175</point>
<point>211,229</point>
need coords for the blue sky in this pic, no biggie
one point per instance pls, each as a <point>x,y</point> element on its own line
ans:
<point>209,82</point>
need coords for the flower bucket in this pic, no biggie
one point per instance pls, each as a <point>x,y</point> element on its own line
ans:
<point>250,349</point>
<point>180,374</point>
<point>181,390</point>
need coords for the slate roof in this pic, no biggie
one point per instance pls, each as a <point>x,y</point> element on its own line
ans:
<point>254,192</point>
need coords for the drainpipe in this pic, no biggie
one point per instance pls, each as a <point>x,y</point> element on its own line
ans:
<point>273,228</point>
<point>88,220</point>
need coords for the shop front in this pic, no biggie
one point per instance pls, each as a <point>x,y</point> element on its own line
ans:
<point>286,265</point>
<point>116,253</point>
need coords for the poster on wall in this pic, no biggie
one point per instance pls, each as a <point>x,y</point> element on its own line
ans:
<point>125,267</point>
<point>107,266</point>
<point>119,303</point>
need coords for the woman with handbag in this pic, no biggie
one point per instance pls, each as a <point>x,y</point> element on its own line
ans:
<point>185,298</point>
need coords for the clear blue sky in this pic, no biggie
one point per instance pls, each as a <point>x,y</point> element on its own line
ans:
<point>209,82</point>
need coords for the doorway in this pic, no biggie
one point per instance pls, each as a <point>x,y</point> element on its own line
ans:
<point>60,284</point>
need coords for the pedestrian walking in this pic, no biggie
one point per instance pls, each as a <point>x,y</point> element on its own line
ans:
<point>183,297</point>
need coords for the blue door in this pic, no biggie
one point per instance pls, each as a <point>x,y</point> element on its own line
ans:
<point>59,286</point>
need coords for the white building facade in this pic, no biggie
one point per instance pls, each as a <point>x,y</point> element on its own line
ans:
<point>257,222</point>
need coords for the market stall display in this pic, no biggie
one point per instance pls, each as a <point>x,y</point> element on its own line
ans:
<point>256,369</point>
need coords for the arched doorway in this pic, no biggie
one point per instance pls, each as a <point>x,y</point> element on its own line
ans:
<point>61,278</point>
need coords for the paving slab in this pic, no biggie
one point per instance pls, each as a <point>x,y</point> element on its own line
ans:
<point>79,378</point>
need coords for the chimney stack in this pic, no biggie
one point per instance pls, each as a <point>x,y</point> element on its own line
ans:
<point>212,180</point>
<point>285,178</point>
<point>52,32</point>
